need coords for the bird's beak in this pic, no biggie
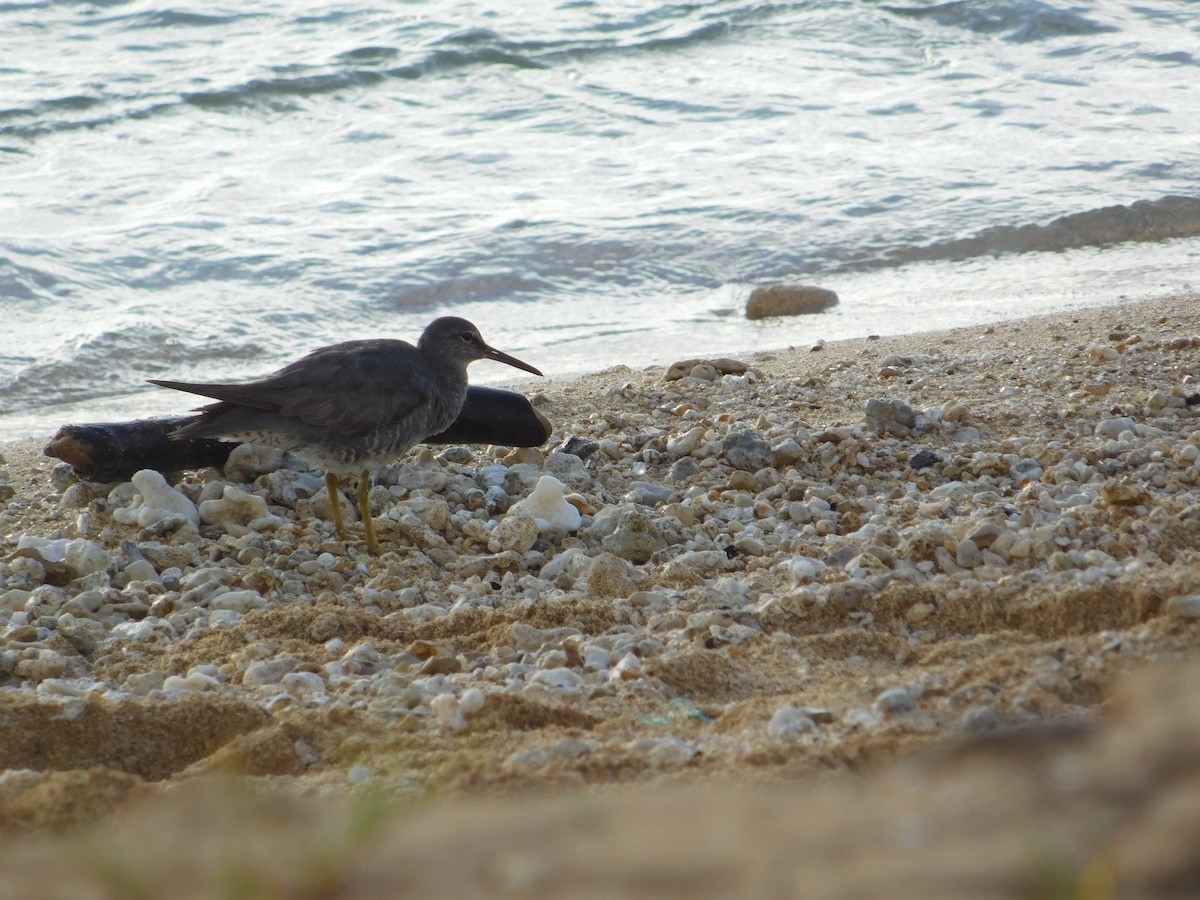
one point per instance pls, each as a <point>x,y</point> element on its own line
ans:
<point>500,356</point>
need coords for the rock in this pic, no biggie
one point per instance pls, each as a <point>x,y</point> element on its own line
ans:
<point>1025,470</point>
<point>84,557</point>
<point>234,510</point>
<point>610,576</point>
<point>636,538</point>
<point>922,459</point>
<point>686,443</point>
<point>894,417</point>
<point>269,671</point>
<point>1185,607</point>
<point>748,451</point>
<point>239,601</point>
<point>452,712</point>
<point>516,531</point>
<point>158,501</point>
<point>899,699</point>
<point>649,494</point>
<point>247,461</point>
<point>789,722</point>
<point>787,453</point>
<point>721,366</point>
<point>547,505</point>
<point>1115,426</point>
<point>788,300</point>
<point>581,447</point>
<point>682,470</point>
<point>980,718</point>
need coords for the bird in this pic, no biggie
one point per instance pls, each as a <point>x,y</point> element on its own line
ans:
<point>349,408</point>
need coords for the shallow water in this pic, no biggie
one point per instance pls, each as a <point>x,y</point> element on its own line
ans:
<point>210,195</point>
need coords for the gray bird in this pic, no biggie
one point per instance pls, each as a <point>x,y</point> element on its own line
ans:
<point>351,407</point>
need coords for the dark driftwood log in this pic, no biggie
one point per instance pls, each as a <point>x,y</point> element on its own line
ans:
<point>113,451</point>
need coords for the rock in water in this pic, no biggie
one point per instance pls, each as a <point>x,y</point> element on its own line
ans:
<point>788,300</point>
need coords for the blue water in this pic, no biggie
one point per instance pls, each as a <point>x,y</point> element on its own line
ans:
<point>208,193</point>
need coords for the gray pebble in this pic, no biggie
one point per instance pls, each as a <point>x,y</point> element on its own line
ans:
<point>748,451</point>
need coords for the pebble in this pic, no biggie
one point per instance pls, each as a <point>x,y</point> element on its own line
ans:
<point>548,506</point>
<point>980,718</point>
<point>153,500</point>
<point>789,722</point>
<point>890,416</point>
<point>517,532</point>
<point>1184,607</point>
<point>748,451</point>
<point>636,538</point>
<point>649,494</point>
<point>899,699</point>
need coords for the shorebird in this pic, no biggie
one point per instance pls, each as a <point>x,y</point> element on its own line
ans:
<point>349,408</point>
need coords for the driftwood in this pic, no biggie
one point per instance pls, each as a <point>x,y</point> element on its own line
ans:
<point>113,451</point>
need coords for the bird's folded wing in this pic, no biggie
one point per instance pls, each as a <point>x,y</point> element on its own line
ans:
<point>345,394</point>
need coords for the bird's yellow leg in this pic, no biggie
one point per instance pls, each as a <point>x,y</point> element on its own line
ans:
<point>335,505</point>
<point>364,509</point>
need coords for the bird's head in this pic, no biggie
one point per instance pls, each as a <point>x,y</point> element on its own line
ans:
<point>452,338</point>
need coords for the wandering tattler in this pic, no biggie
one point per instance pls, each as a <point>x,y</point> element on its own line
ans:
<point>351,407</point>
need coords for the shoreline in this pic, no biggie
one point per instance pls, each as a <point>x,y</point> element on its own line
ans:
<point>728,330</point>
<point>776,575</point>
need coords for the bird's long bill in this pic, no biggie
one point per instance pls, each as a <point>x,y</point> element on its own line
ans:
<point>501,356</point>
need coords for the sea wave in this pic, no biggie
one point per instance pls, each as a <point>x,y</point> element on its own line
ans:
<point>1146,220</point>
<point>1021,21</point>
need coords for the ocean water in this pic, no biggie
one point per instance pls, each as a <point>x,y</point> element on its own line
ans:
<point>207,193</point>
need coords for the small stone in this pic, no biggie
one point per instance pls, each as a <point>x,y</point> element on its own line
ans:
<point>1114,427</point>
<point>610,576</point>
<point>686,443</point>
<point>787,453</point>
<point>980,718</point>
<point>581,447</point>
<point>548,506</point>
<point>636,538</point>
<point>517,531</point>
<point>268,671</point>
<point>234,510</point>
<point>239,601</point>
<point>84,557</point>
<point>1025,470</point>
<point>647,493</point>
<point>894,417</point>
<point>682,470</point>
<point>158,501</point>
<point>440,665</point>
<point>1185,607</point>
<point>247,461</point>
<point>789,722</point>
<point>967,555</point>
<point>898,699</point>
<point>919,612</point>
<point>923,458</point>
<point>748,451</point>
<point>141,570</point>
<point>722,366</point>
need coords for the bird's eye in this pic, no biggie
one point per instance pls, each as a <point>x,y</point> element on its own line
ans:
<point>468,337</point>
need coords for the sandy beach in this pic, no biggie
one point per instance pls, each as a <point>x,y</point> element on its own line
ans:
<point>906,615</point>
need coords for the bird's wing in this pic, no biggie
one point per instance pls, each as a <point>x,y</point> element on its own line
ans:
<point>348,388</point>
